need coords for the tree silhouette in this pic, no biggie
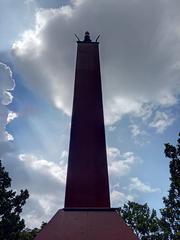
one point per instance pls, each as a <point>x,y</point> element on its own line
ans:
<point>142,220</point>
<point>170,221</point>
<point>11,205</point>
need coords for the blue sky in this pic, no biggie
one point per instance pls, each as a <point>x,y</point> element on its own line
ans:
<point>140,65</point>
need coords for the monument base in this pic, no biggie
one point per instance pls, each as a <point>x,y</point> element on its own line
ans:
<point>86,224</point>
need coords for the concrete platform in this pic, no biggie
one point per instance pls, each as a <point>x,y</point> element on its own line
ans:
<point>86,225</point>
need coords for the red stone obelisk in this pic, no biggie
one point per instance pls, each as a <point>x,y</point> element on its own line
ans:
<point>87,177</point>
<point>87,214</point>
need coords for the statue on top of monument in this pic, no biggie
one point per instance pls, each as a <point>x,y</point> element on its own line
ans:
<point>87,37</point>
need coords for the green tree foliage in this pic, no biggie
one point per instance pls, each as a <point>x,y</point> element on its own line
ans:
<point>142,221</point>
<point>30,234</point>
<point>10,208</point>
<point>170,221</point>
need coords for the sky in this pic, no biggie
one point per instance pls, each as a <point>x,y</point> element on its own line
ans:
<point>140,71</point>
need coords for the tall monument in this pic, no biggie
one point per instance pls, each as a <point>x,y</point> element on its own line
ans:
<point>87,177</point>
<point>87,214</point>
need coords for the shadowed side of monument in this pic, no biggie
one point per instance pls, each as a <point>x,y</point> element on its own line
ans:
<point>87,214</point>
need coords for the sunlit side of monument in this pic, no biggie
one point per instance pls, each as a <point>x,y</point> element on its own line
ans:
<point>87,214</point>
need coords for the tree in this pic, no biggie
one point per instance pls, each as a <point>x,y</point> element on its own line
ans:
<point>142,221</point>
<point>11,205</point>
<point>170,221</point>
<point>145,223</point>
<point>30,234</point>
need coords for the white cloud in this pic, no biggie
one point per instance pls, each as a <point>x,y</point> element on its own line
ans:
<point>11,116</point>
<point>7,84</point>
<point>8,137</point>
<point>139,58</point>
<point>161,121</point>
<point>119,164</point>
<point>64,155</point>
<point>135,130</point>
<point>124,187</point>
<point>117,107</point>
<point>113,153</point>
<point>7,98</point>
<point>45,181</point>
<point>120,198</point>
<point>41,208</point>
<point>111,128</point>
<point>3,121</point>
<point>146,111</point>
<point>139,136</point>
<point>137,185</point>
<point>45,167</point>
<point>28,2</point>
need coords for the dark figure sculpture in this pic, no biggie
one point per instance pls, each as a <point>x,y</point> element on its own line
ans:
<point>87,37</point>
